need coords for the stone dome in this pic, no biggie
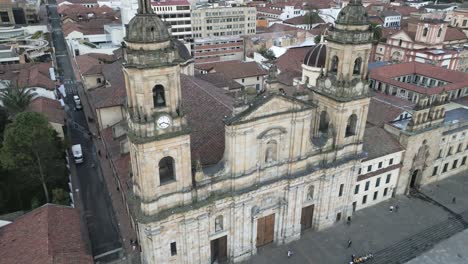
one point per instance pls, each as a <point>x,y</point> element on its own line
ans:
<point>147,28</point>
<point>353,14</point>
<point>316,56</point>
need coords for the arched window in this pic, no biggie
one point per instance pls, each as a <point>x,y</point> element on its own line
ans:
<point>218,223</point>
<point>357,66</point>
<point>166,170</point>
<point>351,126</point>
<point>334,64</point>
<point>425,32</point>
<point>324,122</point>
<point>159,100</point>
<point>439,33</point>
<point>310,193</point>
<point>271,151</point>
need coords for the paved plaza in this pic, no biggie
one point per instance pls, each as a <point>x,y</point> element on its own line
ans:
<point>450,251</point>
<point>378,230</point>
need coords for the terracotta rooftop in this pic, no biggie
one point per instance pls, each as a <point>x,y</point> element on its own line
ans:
<point>115,94</point>
<point>301,20</point>
<point>453,34</point>
<point>378,143</point>
<point>49,234</point>
<point>206,106</point>
<point>276,27</point>
<point>386,74</point>
<point>220,80</point>
<point>292,59</point>
<point>234,69</point>
<point>89,27</point>
<point>50,108</point>
<point>86,62</point>
<point>28,75</point>
<point>386,108</point>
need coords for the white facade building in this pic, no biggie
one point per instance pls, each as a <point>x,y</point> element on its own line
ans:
<point>378,174</point>
<point>175,13</point>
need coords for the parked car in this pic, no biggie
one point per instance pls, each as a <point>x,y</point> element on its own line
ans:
<point>77,100</point>
<point>77,153</point>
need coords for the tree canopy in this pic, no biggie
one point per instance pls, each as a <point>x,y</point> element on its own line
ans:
<point>32,149</point>
<point>15,99</point>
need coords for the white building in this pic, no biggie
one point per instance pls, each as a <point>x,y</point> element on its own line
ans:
<point>219,21</point>
<point>378,173</point>
<point>390,18</point>
<point>175,13</point>
<point>417,4</point>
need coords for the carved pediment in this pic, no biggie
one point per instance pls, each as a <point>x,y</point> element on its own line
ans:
<point>270,105</point>
<point>401,35</point>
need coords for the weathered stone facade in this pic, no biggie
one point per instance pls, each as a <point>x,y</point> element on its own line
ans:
<point>289,164</point>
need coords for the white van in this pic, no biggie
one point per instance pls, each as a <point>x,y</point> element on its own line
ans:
<point>77,153</point>
<point>77,100</point>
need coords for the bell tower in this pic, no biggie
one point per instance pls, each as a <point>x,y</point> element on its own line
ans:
<point>157,129</point>
<point>341,90</point>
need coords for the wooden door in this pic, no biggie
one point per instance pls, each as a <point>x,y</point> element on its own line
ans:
<point>219,250</point>
<point>265,230</point>
<point>306,217</point>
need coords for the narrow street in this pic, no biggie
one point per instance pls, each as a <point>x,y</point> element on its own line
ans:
<point>97,210</point>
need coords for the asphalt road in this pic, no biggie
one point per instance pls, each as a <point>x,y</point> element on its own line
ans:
<point>97,206</point>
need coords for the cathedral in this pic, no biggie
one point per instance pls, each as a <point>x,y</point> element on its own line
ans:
<point>215,178</point>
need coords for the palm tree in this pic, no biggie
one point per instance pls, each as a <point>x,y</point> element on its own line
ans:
<point>15,99</point>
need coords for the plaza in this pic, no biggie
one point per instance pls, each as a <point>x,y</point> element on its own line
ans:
<point>393,237</point>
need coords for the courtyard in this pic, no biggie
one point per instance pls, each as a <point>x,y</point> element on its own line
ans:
<point>421,226</point>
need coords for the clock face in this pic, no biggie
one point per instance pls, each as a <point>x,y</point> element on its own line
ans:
<point>164,122</point>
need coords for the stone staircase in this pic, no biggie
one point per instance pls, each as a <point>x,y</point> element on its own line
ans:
<point>416,244</point>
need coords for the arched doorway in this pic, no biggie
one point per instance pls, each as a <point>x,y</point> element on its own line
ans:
<point>414,176</point>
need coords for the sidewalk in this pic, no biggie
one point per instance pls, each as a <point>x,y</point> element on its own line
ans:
<point>373,229</point>
<point>126,231</point>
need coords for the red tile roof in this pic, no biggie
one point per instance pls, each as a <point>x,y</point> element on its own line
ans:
<point>28,75</point>
<point>85,63</point>
<point>453,34</point>
<point>385,74</point>
<point>276,27</point>
<point>115,94</point>
<point>302,20</point>
<point>378,143</point>
<point>234,69</point>
<point>292,59</point>
<point>50,108</point>
<point>49,234</point>
<point>385,108</point>
<point>206,106</point>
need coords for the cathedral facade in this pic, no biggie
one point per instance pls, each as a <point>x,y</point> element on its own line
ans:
<point>263,172</point>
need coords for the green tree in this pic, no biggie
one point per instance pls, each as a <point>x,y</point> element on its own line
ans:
<point>16,99</point>
<point>267,54</point>
<point>31,147</point>
<point>60,196</point>
<point>377,30</point>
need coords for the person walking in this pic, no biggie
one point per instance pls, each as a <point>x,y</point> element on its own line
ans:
<point>391,208</point>
<point>454,200</point>
<point>396,208</point>
<point>349,243</point>
<point>348,220</point>
<point>290,253</point>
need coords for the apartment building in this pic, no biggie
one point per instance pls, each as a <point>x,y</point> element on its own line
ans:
<point>175,13</point>
<point>219,21</point>
<point>218,49</point>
